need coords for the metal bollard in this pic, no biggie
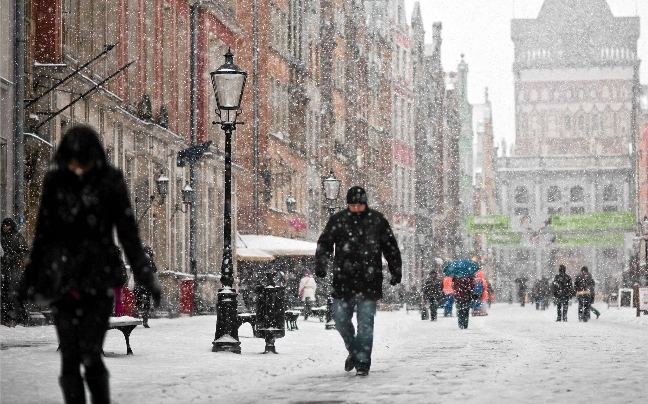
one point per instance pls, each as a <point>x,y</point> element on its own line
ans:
<point>270,313</point>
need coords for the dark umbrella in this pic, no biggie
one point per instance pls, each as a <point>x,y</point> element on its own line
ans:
<point>461,268</point>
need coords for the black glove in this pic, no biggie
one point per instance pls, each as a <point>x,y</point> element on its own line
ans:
<point>395,280</point>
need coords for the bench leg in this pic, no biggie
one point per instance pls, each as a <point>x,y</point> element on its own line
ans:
<point>127,331</point>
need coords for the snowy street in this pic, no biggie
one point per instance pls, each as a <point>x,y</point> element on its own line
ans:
<point>514,355</point>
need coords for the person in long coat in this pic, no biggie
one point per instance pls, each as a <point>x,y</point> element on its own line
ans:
<point>433,293</point>
<point>463,287</point>
<point>360,237</point>
<point>142,294</point>
<point>307,289</point>
<point>15,251</point>
<point>75,262</point>
<point>563,290</point>
<point>584,287</point>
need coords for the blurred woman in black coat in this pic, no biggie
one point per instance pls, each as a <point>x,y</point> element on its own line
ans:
<point>75,262</point>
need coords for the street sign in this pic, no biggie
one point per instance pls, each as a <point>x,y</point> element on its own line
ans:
<point>488,224</point>
<point>590,240</point>
<point>504,239</point>
<point>593,221</point>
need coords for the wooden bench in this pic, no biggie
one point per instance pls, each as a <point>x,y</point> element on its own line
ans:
<point>319,312</point>
<point>126,325</point>
<point>291,319</point>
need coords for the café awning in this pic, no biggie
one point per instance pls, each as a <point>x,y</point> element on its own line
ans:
<point>276,246</point>
<point>245,253</point>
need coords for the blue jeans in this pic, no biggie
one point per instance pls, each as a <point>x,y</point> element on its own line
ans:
<point>359,345</point>
<point>449,302</point>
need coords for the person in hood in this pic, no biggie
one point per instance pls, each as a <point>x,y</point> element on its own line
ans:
<point>464,288</point>
<point>15,251</point>
<point>563,290</point>
<point>433,293</point>
<point>449,296</point>
<point>360,237</point>
<point>584,287</point>
<point>307,289</point>
<point>75,263</point>
<point>142,293</point>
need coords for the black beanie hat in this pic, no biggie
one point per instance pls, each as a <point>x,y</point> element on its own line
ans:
<point>356,195</point>
<point>562,269</point>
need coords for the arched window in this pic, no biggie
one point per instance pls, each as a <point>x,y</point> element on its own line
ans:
<point>595,122</point>
<point>610,193</point>
<point>521,195</point>
<point>553,194</point>
<point>576,194</point>
<point>567,122</point>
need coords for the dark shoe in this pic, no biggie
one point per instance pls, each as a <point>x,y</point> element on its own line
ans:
<point>597,315</point>
<point>362,372</point>
<point>73,389</point>
<point>349,363</point>
<point>558,319</point>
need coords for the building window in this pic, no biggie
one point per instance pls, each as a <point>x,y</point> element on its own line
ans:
<point>554,195</point>
<point>554,210</point>
<point>610,253</point>
<point>522,256</point>
<point>595,123</point>
<point>576,194</point>
<point>577,210</point>
<point>521,211</point>
<point>521,195</point>
<point>610,193</point>
<point>567,122</point>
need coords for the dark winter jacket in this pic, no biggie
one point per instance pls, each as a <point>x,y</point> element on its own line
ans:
<point>74,243</point>
<point>432,289</point>
<point>584,284</point>
<point>463,287</point>
<point>359,242</point>
<point>562,286</point>
<point>15,250</point>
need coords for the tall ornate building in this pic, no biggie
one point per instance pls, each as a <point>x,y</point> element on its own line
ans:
<point>569,184</point>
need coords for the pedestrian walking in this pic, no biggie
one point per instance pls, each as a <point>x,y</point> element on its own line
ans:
<point>433,293</point>
<point>480,294</point>
<point>464,288</point>
<point>449,296</point>
<point>142,293</point>
<point>360,237</point>
<point>563,290</point>
<point>307,289</point>
<point>522,289</point>
<point>74,261</point>
<point>15,251</point>
<point>584,286</point>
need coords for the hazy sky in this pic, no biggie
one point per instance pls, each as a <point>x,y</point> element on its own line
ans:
<point>481,29</point>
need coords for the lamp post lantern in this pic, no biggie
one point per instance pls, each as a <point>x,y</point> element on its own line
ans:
<point>291,203</point>
<point>162,184</point>
<point>228,82</point>
<point>331,191</point>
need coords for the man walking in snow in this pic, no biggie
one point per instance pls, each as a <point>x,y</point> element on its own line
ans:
<point>358,237</point>
<point>563,290</point>
<point>433,293</point>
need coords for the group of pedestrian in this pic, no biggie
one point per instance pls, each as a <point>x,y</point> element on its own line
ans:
<point>582,288</point>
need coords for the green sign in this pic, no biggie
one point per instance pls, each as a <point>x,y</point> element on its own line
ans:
<point>488,224</point>
<point>591,240</point>
<point>593,221</point>
<point>504,239</point>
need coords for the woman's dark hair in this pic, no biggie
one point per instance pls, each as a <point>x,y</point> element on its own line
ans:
<point>81,142</point>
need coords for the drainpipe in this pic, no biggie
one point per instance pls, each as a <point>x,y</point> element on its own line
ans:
<point>255,108</point>
<point>19,121</point>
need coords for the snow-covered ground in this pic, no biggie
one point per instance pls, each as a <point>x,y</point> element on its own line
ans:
<point>514,355</point>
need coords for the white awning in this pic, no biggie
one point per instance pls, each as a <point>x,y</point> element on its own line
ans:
<point>277,246</point>
<point>245,253</point>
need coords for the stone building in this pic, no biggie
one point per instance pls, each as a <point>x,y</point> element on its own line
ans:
<point>569,185</point>
<point>137,94</point>
<point>7,90</point>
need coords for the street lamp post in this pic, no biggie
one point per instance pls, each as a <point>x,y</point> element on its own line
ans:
<point>228,82</point>
<point>331,191</point>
